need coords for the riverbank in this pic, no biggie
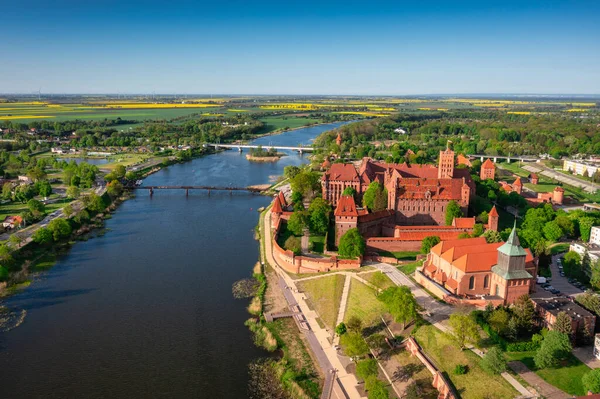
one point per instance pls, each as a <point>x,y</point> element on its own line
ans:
<point>273,158</point>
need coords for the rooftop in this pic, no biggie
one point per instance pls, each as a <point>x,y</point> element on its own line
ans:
<point>560,304</point>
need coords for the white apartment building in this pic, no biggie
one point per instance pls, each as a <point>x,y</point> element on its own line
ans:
<point>579,167</point>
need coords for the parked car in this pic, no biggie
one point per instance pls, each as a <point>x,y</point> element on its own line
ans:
<point>562,274</point>
<point>555,291</point>
<point>545,285</point>
<point>549,288</point>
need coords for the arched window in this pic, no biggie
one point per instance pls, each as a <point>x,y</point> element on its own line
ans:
<point>486,281</point>
<point>472,282</point>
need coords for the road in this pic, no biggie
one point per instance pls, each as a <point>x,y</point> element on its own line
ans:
<point>561,177</point>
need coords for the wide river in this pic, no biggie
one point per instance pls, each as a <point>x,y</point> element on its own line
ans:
<point>146,310</point>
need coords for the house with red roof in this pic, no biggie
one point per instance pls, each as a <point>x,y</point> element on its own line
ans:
<point>488,170</point>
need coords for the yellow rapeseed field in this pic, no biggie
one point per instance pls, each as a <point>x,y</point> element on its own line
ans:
<point>577,110</point>
<point>519,112</point>
<point>152,106</point>
<point>3,118</point>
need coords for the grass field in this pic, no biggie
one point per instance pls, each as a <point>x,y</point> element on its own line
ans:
<point>371,276</point>
<point>363,304</point>
<point>568,377</point>
<point>559,247</point>
<point>401,255</point>
<point>419,374</point>
<point>410,268</point>
<point>17,208</point>
<point>476,383</point>
<point>317,243</point>
<point>273,123</point>
<point>325,294</point>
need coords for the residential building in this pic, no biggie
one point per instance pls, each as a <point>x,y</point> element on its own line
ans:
<point>582,321</point>
<point>10,222</point>
<point>581,167</point>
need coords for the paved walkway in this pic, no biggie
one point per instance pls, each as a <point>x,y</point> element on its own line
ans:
<point>437,313</point>
<point>344,384</point>
<point>562,177</point>
<point>544,389</point>
<point>344,300</point>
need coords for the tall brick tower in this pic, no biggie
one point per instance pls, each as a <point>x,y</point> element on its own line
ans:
<point>338,139</point>
<point>446,165</point>
<point>493,219</point>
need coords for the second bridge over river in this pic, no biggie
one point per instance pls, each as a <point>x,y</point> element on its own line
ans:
<point>241,147</point>
<point>252,189</point>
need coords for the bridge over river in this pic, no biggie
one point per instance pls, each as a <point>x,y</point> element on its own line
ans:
<point>251,189</point>
<point>507,158</point>
<point>241,147</point>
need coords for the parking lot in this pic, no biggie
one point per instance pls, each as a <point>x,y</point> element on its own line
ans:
<point>557,281</point>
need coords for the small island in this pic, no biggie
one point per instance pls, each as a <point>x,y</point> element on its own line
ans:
<point>260,154</point>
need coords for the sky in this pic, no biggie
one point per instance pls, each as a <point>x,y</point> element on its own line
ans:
<point>300,47</point>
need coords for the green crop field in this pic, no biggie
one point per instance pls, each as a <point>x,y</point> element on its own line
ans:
<point>280,122</point>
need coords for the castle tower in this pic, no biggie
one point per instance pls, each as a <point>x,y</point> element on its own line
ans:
<point>276,212</point>
<point>558,195</point>
<point>338,139</point>
<point>465,194</point>
<point>446,164</point>
<point>517,185</point>
<point>488,170</point>
<point>493,218</point>
<point>346,216</point>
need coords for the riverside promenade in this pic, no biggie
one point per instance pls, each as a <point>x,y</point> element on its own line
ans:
<point>344,383</point>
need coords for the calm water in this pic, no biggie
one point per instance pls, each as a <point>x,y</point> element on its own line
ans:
<point>146,311</point>
<point>91,161</point>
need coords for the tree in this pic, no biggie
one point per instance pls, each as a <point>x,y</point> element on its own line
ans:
<point>319,211</point>
<point>523,311</point>
<point>24,193</point>
<point>73,192</point>
<point>306,183</point>
<point>464,329</point>
<point>563,323</point>
<point>452,211</point>
<point>68,210</point>
<point>493,361</point>
<point>552,231</point>
<point>401,304</point>
<point>341,329</point>
<point>349,191</point>
<point>477,230</point>
<point>492,236</point>
<point>297,223</point>
<point>572,263</point>
<point>59,228</point>
<point>555,347</point>
<point>375,388</point>
<point>6,191</point>
<point>375,197</point>
<point>43,188</point>
<point>591,381</point>
<point>36,207</point>
<point>293,244</point>
<point>354,344</point>
<point>354,324</point>
<point>498,320</point>
<point>428,243</point>
<point>114,189</point>
<point>119,171</point>
<point>3,273</point>
<point>15,239</point>
<point>366,368</point>
<point>36,173</point>
<point>42,236</point>
<point>352,244</point>
<point>291,171</point>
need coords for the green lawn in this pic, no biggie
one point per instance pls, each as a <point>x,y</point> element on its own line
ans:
<point>324,295</point>
<point>387,283</point>
<point>419,373</point>
<point>363,304</point>
<point>410,268</point>
<point>401,255</point>
<point>476,383</point>
<point>317,243</point>
<point>568,377</point>
<point>559,247</point>
<point>16,208</point>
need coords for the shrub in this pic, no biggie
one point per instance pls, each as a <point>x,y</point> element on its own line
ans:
<point>461,369</point>
<point>354,344</point>
<point>293,244</point>
<point>352,244</point>
<point>591,381</point>
<point>341,329</point>
<point>493,362</point>
<point>555,346</point>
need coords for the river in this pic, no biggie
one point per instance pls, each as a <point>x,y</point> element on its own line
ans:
<point>146,310</point>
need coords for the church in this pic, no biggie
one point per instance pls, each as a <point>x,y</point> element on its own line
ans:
<point>471,268</point>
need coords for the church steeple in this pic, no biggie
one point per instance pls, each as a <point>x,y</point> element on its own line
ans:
<point>512,246</point>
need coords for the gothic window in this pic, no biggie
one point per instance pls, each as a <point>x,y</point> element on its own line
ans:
<point>486,281</point>
<point>472,282</point>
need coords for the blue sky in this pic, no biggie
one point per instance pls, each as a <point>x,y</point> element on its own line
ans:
<point>300,47</point>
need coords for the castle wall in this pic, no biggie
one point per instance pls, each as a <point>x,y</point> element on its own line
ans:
<point>392,244</point>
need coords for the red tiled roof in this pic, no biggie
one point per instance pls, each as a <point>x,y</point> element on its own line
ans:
<point>276,206</point>
<point>562,190</point>
<point>282,199</point>
<point>488,164</point>
<point>452,283</point>
<point>445,245</point>
<point>430,268</point>
<point>420,235</point>
<point>517,182</point>
<point>505,186</point>
<point>368,217</point>
<point>462,160</point>
<point>464,223</point>
<point>493,212</point>
<point>533,176</point>
<point>346,206</point>
<point>326,164</point>
<point>342,172</point>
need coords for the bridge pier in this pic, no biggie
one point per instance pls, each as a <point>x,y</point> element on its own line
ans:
<point>186,192</point>
<point>209,192</point>
<point>481,159</point>
<point>151,191</point>
<point>239,149</point>
<point>507,160</point>
<point>300,151</point>
<point>495,160</point>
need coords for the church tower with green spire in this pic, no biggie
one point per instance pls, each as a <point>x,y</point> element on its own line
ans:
<point>509,276</point>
